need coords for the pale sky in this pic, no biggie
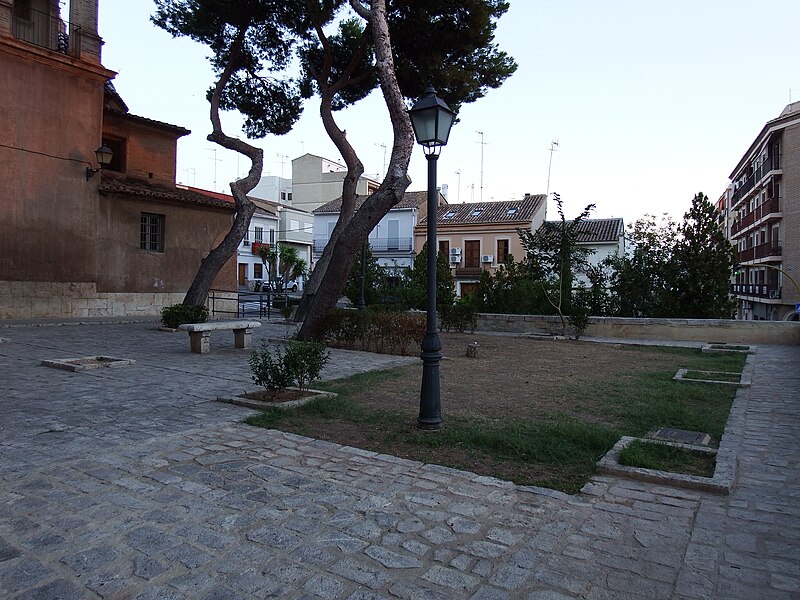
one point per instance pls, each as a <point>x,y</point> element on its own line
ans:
<point>651,102</point>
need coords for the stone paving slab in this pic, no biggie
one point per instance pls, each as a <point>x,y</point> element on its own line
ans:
<point>134,483</point>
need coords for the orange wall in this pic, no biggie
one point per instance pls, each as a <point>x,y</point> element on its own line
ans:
<point>150,153</point>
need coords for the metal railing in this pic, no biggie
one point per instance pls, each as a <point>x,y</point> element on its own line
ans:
<point>398,244</point>
<point>46,30</point>
<point>772,163</point>
<point>773,205</point>
<point>760,251</point>
<point>224,303</point>
<point>760,290</point>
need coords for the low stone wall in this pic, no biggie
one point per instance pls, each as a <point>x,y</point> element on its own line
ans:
<point>43,299</point>
<point>698,330</point>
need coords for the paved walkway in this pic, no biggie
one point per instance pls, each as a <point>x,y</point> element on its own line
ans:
<point>132,483</point>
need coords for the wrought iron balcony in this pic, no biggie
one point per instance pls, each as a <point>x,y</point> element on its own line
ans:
<point>759,290</point>
<point>45,30</point>
<point>376,245</point>
<point>761,251</point>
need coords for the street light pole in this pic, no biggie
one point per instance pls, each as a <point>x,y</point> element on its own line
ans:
<point>430,407</point>
<point>431,119</point>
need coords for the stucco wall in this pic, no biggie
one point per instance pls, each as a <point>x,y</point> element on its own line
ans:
<point>149,154</point>
<point>190,233</point>
<point>700,330</point>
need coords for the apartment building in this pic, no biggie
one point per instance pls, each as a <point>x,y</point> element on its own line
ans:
<point>317,181</point>
<point>392,240</point>
<point>763,204</point>
<point>478,236</point>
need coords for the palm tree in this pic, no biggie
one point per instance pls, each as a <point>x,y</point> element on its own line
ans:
<point>290,265</point>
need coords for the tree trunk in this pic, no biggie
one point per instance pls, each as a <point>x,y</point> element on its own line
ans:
<point>216,259</point>
<point>343,250</point>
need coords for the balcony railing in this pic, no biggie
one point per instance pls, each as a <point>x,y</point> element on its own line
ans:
<point>770,206</point>
<point>760,290</point>
<point>399,244</point>
<point>760,251</point>
<point>468,271</point>
<point>773,163</point>
<point>46,30</point>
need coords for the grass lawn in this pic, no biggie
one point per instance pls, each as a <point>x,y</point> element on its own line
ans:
<point>662,457</point>
<point>533,411</point>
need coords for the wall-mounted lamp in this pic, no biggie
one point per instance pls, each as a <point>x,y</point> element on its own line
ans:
<point>104,156</point>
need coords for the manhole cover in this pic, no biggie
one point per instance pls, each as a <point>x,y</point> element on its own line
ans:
<point>84,363</point>
<point>696,438</point>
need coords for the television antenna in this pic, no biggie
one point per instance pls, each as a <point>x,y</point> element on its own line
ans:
<point>458,192</point>
<point>482,143</point>
<point>553,148</point>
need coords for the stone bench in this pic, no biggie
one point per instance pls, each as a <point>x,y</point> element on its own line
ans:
<point>200,333</point>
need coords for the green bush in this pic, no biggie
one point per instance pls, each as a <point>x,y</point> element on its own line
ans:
<point>269,369</point>
<point>381,330</point>
<point>178,314</point>
<point>461,316</point>
<point>304,361</point>
<point>300,363</point>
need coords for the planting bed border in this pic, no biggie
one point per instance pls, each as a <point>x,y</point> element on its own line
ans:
<point>257,405</point>
<point>744,381</point>
<point>729,348</point>
<point>100,361</point>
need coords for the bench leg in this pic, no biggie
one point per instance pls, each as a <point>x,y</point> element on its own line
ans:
<point>242,337</point>
<point>200,341</point>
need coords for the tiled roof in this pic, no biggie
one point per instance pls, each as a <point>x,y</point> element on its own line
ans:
<point>512,211</point>
<point>113,98</point>
<point>177,129</point>
<point>144,189</point>
<point>410,200</point>
<point>596,231</point>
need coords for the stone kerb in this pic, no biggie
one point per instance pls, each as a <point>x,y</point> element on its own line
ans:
<point>699,330</point>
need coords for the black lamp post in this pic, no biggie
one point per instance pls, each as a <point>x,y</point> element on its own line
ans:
<point>431,119</point>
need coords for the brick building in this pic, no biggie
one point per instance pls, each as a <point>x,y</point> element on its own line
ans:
<point>79,242</point>
<point>763,206</point>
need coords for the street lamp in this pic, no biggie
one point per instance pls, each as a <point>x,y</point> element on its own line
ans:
<point>104,156</point>
<point>431,119</point>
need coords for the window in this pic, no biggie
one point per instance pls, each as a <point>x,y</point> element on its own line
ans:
<point>476,213</point>
<point>502,251</point>
<point>271,236</point>
<point>511,211</point>
<point>472,254</point>
<point>246,240</point>
<point>289,197</point>
<point>393,243</point>
<point>294,225</point>
<point>450,214</point>
<point>117,147</point>
<point>259,235</point>
<point>152,233</point>
<point>444,247</point>
<point>258,271</point>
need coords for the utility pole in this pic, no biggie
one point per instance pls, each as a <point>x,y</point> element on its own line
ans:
<point>383,171</point>
<point>482,143</point>
<point>216,160</point>
<point>553,148</point>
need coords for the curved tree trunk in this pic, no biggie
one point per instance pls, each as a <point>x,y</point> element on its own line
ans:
<point>354,232</point>
<point>212,264</point>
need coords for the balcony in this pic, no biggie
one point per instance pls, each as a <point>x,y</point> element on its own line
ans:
<point>758,290</point>
<point>771,206</point>
<point>766,250</point>
<point>46,30</point>
<point>376,245</point>
<point>773,163</point>
<point>468,272</point>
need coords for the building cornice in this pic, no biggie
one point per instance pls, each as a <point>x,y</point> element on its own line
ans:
<point>57,60</point>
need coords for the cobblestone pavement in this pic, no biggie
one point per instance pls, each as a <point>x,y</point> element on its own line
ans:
<point>132,483</point>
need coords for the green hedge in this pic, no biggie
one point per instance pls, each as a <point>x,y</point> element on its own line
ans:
<point>178,314</point>
<point>387,332</point>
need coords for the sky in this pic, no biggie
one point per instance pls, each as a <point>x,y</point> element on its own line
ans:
<point>649,102</point>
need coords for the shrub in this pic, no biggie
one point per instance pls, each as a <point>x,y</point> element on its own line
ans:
<point>178,314</point>
<point>461,316</point>
<point>301,363</point>
<point>379,330</point>
<point>269,369</point>
<point>304,362</point>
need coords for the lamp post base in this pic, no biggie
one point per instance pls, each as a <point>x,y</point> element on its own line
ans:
<point>430,407</point>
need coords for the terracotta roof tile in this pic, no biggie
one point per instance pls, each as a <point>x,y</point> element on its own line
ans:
<point>144,189</point>
<point>597,231</point>
<point>410,200</point>
<point>511,211</point>
<point>177,129</point>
